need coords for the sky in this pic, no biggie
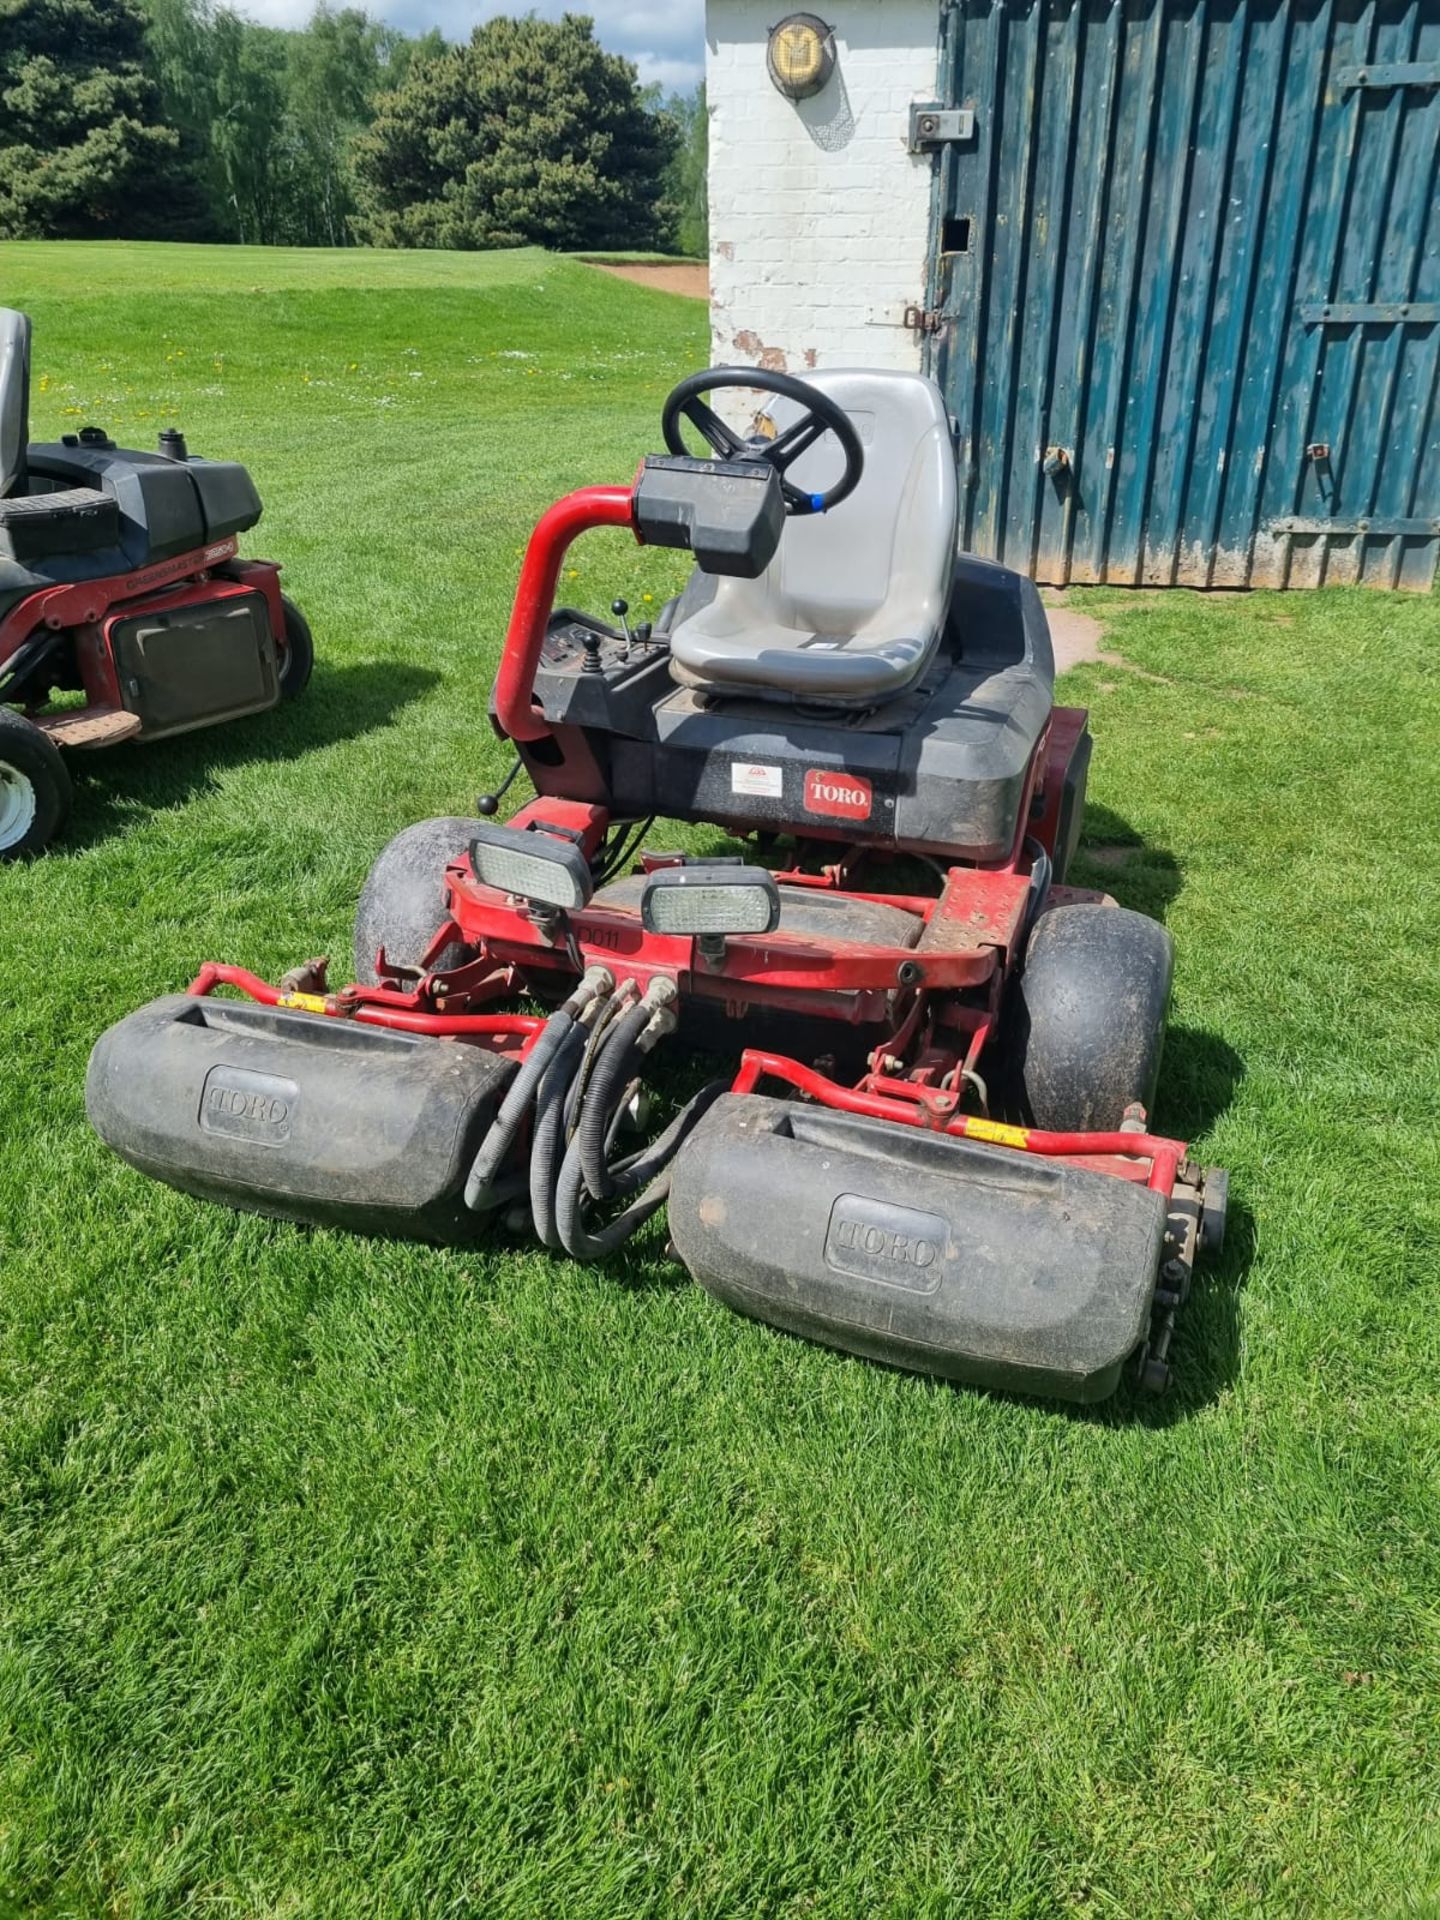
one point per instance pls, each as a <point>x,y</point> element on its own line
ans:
<point>665,38</point>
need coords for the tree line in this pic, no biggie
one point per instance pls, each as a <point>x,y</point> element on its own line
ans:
<point>182,120</point>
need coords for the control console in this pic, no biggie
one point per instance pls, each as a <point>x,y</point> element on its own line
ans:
<point>591,674</point>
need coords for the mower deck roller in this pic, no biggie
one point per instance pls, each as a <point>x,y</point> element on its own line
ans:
<point>940,1255</point>
<point>928,1142</point>
<point>273,1111</point>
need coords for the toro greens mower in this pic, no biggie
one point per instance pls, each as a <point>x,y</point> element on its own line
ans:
<point>119,583</point>
<point>930,1143</point>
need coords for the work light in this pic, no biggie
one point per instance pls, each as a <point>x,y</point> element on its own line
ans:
<point>535,865</point>
<point>710,901</point>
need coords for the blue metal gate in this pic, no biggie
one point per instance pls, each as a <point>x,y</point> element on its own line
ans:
<point>1185,287</point>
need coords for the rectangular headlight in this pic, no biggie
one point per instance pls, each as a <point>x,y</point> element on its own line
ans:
<point>705,900</point>
<point>535,865</point>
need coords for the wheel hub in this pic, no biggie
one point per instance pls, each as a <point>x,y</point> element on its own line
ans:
<point>17,806</point>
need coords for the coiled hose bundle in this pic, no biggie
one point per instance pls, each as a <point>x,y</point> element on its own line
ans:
<point>578,1080</point>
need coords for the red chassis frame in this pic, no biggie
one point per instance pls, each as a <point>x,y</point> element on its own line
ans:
<point>86,608</point>
<point>942,998</point>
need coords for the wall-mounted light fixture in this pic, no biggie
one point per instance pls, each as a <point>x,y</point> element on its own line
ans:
<point>800,55</point>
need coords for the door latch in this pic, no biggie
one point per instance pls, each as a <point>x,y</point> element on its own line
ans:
<point>924,319</point>
<point>932,127</point>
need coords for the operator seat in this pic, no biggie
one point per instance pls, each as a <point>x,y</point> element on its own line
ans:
<point>850,611</point>
<point>14,399</point>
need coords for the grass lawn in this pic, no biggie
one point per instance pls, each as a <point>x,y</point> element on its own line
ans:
<point>344,1579</point>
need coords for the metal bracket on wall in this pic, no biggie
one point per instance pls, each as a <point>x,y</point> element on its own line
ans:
<point>1396,73</point>
<point>932,127</point>
<point>1378,529</point>
<point>1359,313</point>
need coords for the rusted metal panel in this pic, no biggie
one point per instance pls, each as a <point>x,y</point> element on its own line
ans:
<point>1186,277</point>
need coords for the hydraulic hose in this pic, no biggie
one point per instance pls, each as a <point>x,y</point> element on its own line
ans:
<point>547,1141</point>
<point>523,1088</point>
<point>651,1164</point>
<point>583,1244</point>
<point>586,1171</point>
<point>611,1073</point>
<point>605,1019</point>
<point>575,1083</point>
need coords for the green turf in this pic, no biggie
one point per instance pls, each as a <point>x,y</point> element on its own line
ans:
<point>99,269</point>
<point>345,1579</point>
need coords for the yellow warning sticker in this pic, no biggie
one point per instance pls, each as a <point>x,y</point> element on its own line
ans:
<point>995,1131</point>
<point>306,1002</point>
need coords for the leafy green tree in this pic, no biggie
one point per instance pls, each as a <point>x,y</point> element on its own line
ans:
<point>687,182</point>
<point>83,149</point>
<point>531,134</point>
<point>275,113</point>
<point>335,69</point>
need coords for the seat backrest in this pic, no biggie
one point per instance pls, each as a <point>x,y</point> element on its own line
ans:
<point>14,398</point>
<point>882,558</point>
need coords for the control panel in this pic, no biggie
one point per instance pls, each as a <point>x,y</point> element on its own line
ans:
<point>589,672</point>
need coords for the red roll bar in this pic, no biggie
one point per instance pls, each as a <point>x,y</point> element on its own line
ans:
<point>577,513</point>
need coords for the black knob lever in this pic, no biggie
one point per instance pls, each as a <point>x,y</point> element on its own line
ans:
<point>620,608</point>
<point>489,803</point>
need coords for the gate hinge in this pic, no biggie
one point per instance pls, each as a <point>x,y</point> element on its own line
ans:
<point>924,319</point>
<point>939,126</point>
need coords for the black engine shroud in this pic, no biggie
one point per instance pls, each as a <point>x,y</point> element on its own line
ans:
<point>941,770</point>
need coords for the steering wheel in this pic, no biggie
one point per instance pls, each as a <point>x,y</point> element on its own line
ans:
<point>820,416</point>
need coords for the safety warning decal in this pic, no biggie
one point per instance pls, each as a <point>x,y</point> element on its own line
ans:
<point>754,776</point>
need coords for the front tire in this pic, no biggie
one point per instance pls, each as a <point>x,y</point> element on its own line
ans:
<point>35,790</point>
<point>1085,1027</point>
<point>402,903</point>
<point>296,654</point>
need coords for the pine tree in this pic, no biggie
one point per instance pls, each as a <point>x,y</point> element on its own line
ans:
<point>531,134</point>
<point>83,151</point>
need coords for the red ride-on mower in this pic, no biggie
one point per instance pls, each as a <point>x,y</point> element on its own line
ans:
<point>119,581</point>
<point>930,1144</point>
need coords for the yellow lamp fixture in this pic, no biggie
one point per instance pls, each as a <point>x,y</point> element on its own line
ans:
<point>800,55</point>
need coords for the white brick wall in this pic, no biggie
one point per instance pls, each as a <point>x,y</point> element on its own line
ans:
<point>819,217</point>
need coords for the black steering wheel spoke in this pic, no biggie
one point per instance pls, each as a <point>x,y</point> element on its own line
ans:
<point>718,436</point>
<point>786,448</point>
<point>819,415</point>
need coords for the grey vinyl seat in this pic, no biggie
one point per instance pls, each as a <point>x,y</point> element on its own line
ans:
<point>14,399</point>
<point>850,611</point>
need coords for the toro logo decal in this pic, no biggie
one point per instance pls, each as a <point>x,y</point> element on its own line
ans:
<point>248,1106</point>
<point>844,796</point>
<point>891,1245</point>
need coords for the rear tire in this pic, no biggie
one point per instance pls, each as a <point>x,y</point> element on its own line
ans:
<point>1085,1027</point>
<point>35,790</point>
<point>403,901</point>
<point>297,655</point>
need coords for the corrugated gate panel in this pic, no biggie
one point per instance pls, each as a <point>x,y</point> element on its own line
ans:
<point>1188,277</point>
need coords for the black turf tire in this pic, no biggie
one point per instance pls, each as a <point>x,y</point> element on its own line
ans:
<point>297,656</point>
<point>1085,1025</point>
<point>403,901</point>
<point>35,790</point>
